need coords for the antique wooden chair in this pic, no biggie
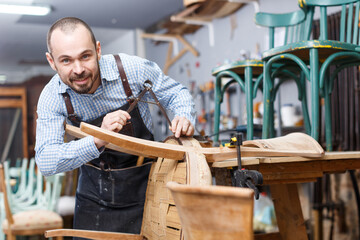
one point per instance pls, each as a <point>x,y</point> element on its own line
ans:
<point>249,73</point>
<point>314,57</point>
<point>214,212</point>
<point>31,222</point>
<point>160,218</point>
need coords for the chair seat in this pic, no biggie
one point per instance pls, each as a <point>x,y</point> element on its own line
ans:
<point>35,219</point>
<point>301,49</point>
<point>239,66</point>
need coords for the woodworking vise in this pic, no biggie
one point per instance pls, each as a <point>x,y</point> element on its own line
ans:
<point>243,177</point>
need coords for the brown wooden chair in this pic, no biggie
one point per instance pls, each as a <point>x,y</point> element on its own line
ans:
<point>25,223</point>
<point>214,212</point>
<point>160,219</point>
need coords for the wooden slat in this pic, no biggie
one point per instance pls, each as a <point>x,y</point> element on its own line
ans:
<point>96,235</point>
<point>11,103</point>
<point>172,218</point>
<point>12,92</point>
<point>328,156</point>
<point>289,176</point>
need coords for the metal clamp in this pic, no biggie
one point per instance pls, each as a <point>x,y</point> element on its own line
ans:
<point>243,177</point>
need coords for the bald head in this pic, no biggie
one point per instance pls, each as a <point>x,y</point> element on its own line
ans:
<point>68,25</point>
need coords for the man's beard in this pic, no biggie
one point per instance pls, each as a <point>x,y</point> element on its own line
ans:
<point>82,89</point>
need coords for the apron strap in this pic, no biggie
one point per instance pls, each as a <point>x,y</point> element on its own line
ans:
<point>70,110</point>
<point>124,79</point>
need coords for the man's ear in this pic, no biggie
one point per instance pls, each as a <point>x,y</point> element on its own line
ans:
<point>50,61</point>
<point>98,50</point>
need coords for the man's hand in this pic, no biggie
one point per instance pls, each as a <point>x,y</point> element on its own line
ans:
<point>181,126</point>
<point>113,121</point>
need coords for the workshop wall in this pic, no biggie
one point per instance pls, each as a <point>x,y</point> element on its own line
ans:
<point>233,40</point>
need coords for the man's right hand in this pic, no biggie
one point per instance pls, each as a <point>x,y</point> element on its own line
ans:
<point>113,121</point>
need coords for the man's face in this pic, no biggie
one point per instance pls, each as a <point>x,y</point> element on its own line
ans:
<point>76,59</point>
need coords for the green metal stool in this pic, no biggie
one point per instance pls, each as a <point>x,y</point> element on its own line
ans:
<point>243,73</point>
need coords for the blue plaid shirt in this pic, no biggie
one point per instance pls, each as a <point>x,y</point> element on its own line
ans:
<point>54,156</point>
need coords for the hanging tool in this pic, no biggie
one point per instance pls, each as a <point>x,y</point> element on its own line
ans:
<point>243,177</point>
<point>147,88</point>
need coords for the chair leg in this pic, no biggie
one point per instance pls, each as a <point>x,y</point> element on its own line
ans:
<point>217,109</point>
<point>328,121</point>
<point>314,75</point>
<point>266,103</point>
<point>249,102</point>
<point>60,238</point>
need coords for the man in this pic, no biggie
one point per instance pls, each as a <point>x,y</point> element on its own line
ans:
<point>98,89</point>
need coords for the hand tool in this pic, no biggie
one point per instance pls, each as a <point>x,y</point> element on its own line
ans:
<point>148,88</point>
<point>243,177</point>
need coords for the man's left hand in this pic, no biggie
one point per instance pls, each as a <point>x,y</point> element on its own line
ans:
<point>181,126</point>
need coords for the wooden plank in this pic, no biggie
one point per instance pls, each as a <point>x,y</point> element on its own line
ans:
<point>76,132</point>
<point>11,103</point>
<point>134,145</point>
<point>288,211</point>
<point>97,235</point>
<point>328,156</point>
<point>289,176</point>
<point>139,147</point>
<point>12,92</point>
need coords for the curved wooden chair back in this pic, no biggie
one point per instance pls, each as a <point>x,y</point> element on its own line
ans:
<point>214,212</point>
<point>160,218</point>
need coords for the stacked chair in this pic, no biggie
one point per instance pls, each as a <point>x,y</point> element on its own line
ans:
<point>30,209</point>
<point>313,58</point>
<point>249,73</point>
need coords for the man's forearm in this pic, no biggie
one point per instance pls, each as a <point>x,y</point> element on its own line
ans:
<point>56,158</point>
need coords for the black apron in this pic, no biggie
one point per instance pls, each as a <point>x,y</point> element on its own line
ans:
<point>111,189</point>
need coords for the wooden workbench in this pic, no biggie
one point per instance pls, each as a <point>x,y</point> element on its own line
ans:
<point>282,174</point>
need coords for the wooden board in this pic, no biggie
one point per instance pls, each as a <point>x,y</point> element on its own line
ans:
<point>143,147</point>
<point>76,132</point>
<point>328,156</point>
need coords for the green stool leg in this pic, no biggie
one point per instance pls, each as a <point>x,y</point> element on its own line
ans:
<point>314,75</point>
<point>217,108</point>
<point>267,102</point>
<point>249,102</point>
<point>328,121</point>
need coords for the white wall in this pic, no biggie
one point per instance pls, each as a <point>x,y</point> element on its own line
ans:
<point>245,37</point>
<point>123,44</point>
